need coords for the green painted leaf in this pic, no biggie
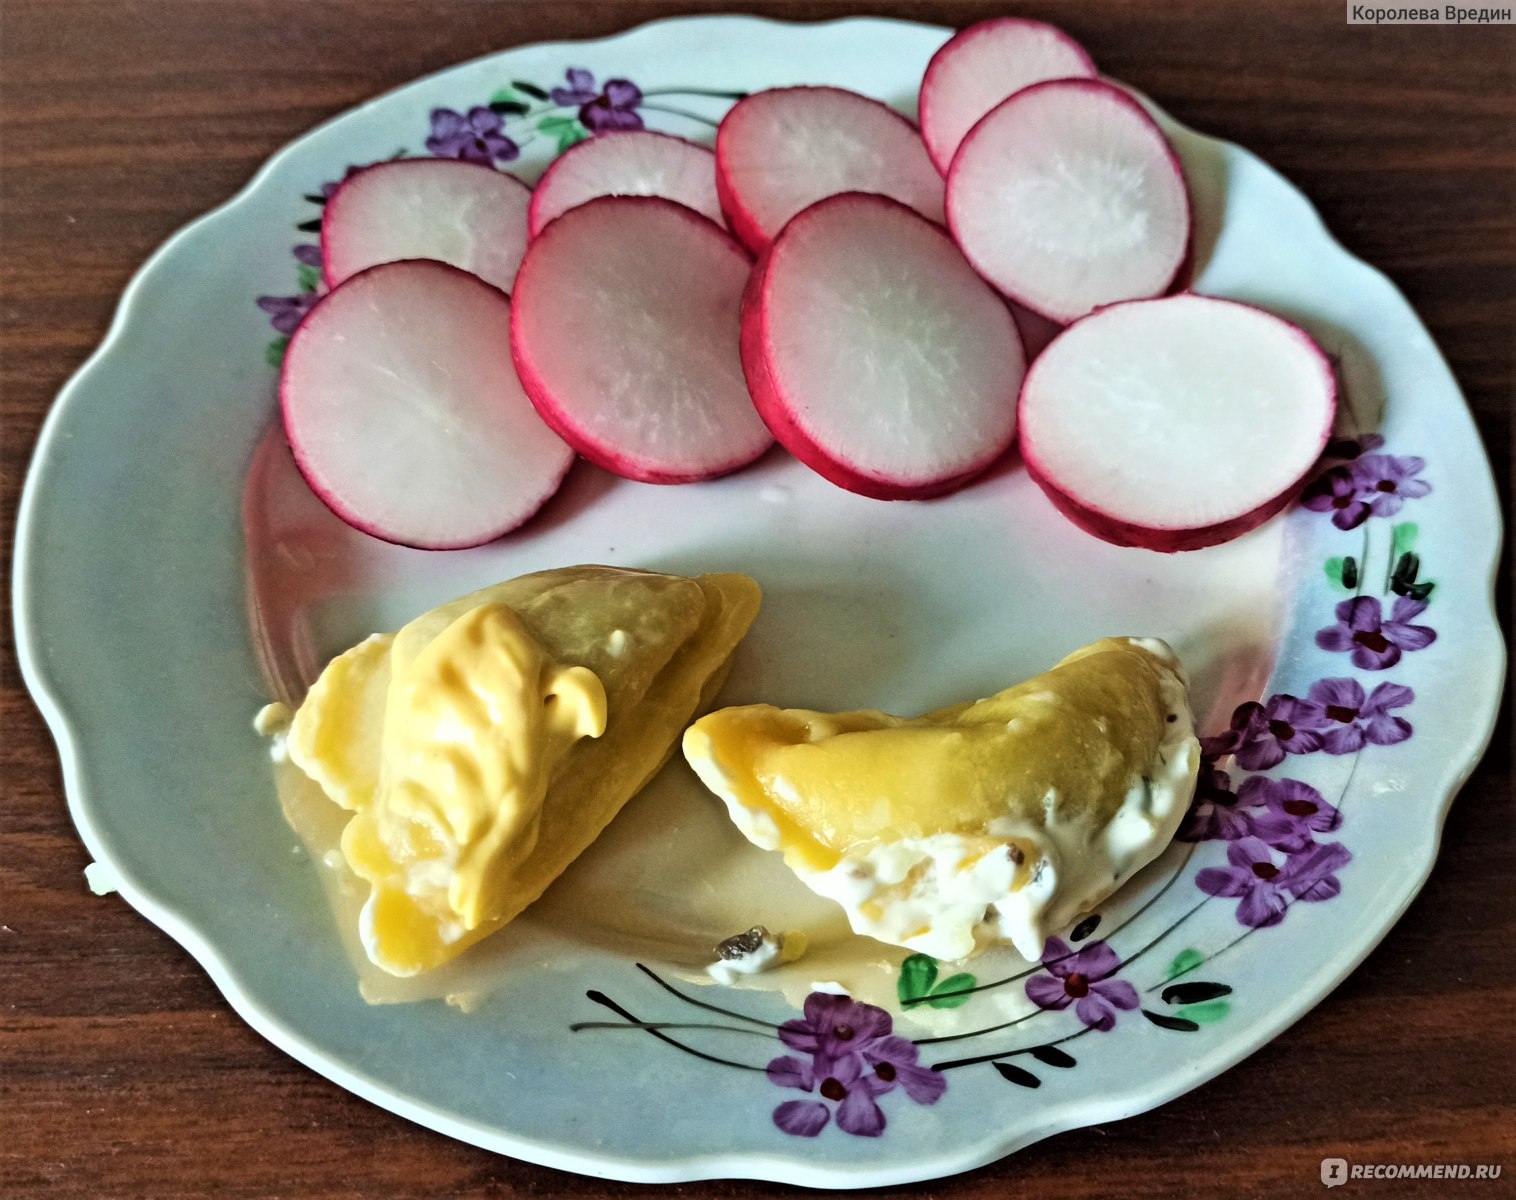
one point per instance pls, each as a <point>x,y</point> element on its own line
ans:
<point>917,974</point>
<point>555,123</point>
<point>952,991</point>
<point>505,95</point>
<point>309,277</point>
<point>531,89</point>
<point>1209,1012</point>
<point>570,137</point>
<point>1185,960</point>
<point>1015,1074</point>
<point>1350,572</point>
<point>1403,537</point>
<point>275,351</point>
<point>311,226</point>
<point>1334,571</point>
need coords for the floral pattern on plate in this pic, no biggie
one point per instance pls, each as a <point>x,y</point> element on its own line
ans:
<point>493,134</point>
<point>1278,848</point>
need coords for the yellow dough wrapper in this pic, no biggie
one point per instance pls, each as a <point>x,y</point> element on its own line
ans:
<point>998,820</point>
<point>484,746</point>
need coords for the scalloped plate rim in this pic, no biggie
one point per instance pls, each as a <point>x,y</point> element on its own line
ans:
<point>776,1168</point>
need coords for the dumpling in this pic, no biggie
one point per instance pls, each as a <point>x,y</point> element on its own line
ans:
<point>485,745</point>
<point>998,820</point>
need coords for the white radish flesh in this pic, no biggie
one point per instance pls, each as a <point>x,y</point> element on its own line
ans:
<point>625,331</point>
<point>404,412</point>
<point>1177,423</point>
<point>980,66</point>
<point>876,355</point>
<point>469,215</point>
<point>1067,196</point>
<point>635,162</point>
<point>780,151</point>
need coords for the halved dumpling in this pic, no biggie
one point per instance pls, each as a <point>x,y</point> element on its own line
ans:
<point>485,745</point>
<point>995,820</point>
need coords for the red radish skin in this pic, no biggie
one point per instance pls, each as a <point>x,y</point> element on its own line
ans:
<point>633,162</point>
<point>1051,456</point>
<point>1165,541</point>
<point>781,150</point>
<point>625,330</point>
<point>1068,197</point>
<point>909,255</point>
<point>465,214</point>
<point>404,413</point>
<point>982,65</point>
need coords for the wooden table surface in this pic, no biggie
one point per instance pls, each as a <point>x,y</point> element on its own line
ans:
<point>124,1074</point>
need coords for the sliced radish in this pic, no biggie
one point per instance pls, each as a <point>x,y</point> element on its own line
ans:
<point>1067,196</point>
<point>876,355</point>
<point>980,66</point>
<point>405,414</point>
<point>625,330</point>
<point>1177,423</point>
<point>781,150</point>
<point>457,212</point>
<point>634,162</point>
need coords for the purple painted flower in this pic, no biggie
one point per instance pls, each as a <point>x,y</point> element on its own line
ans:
<point>1353,719</point>
<point>852,1060</point>
<point>477,136</point>
<point>1262,734</point>
<point>286,312</point>
<point>847,1083</point>
<point>1265,886</point>
<point>1374,485</point>
<point>1214,813</point>
<point>894,1061</point>
<point>1387,481</point>
<point>835,1026</point>
<point>1376,644</point>
<point>581,88</point>
<point>1311,875</point>
<point>802,1118</point>
<point>1336,491</point>
<point>614,109</point>
<point>600,111</point>
<point>1294,813</point>
<point>1253,875</point>
<point>1082,980</point>
<point>307,253</point>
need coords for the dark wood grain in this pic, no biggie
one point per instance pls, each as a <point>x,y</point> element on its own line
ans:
<point>122,1072</point>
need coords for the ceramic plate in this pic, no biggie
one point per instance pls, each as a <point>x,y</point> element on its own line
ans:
<point>173,574</point>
